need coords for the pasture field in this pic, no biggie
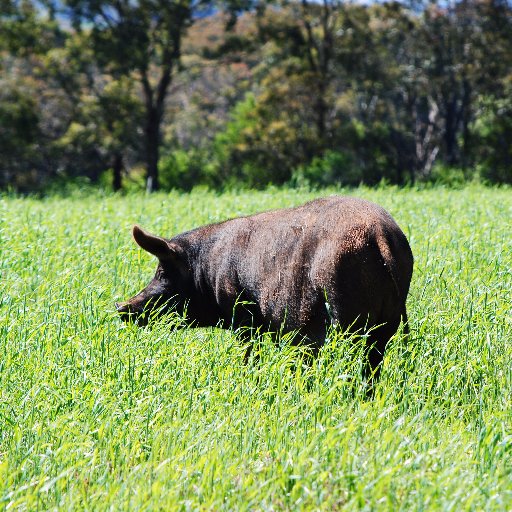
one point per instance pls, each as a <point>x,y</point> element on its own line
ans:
<point>97,415</point>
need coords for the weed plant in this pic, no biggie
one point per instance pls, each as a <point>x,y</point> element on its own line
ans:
<point>98,415</point>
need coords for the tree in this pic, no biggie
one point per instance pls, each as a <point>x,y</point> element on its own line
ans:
<point>308,32</point>
<point>19,133</point>
<point>492,133</point>
<point>143,39</point>
<point>102,129</point>
<point>24,30</point>
<point>466,48</point>
<point>26,33</point>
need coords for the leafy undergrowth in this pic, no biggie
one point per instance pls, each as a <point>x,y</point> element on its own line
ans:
<point>99,415</point>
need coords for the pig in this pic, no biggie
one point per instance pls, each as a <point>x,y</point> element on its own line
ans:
<point>335,260</point>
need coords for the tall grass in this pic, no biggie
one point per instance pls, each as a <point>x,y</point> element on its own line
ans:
<point>99,415</point>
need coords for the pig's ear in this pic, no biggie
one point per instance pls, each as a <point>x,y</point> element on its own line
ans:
<point>156,245</point>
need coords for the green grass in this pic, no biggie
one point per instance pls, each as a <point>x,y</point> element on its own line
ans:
<point>97,415</point>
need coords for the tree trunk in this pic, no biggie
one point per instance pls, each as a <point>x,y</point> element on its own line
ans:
<point>450,131</point>
<point>321,112</point>
<point>152,149</point>
<point>466,119</point>
<point>155,105</point>
<point>117,169</point>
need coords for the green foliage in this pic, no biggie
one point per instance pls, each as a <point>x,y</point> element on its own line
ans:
<point>332,168</point>
<point>250,93</point>
<point>184,170</point>
<point>18,119</point>
<point>141,39</point>
<point>446,175</point>
<point>97,415</point>
<point>103,129</point>
<point>493,133</point>
<point>23,32</point>
<point>240,149</point>
<point>19,136</point>
<point>379,150</point>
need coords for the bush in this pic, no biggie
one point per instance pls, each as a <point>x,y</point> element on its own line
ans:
<point>331,168</point>
<point>184,170</point>
<point>443,174</point>
<point>492,132</point>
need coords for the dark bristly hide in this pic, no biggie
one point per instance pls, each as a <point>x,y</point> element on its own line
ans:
<point>338,260</point>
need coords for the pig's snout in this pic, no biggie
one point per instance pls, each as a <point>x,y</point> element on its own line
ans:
<point>124,310</point>
<point>122,307</point>
<point>141,308</point>
<point>137,311</point>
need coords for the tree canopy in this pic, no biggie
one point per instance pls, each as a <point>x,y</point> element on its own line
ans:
<point>181,93</point>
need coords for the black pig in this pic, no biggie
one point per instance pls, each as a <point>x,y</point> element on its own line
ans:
<point>335,260</point>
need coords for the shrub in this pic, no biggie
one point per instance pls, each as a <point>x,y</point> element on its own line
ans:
<point>332,167</point>
<point>184,170</point>
<point>492,132</point>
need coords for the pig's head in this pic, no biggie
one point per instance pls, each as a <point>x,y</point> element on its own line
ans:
<point>169,286</point>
